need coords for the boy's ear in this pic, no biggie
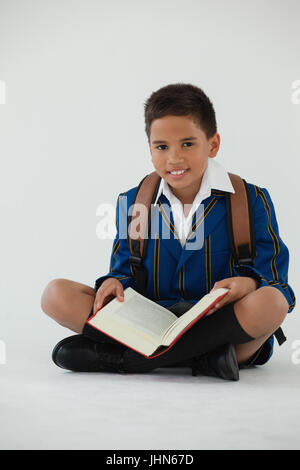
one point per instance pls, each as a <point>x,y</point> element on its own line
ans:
<point>214,144</point>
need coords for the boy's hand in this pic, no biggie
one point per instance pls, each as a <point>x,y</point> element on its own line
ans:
<point>239,287</point>
<point>109,289</point>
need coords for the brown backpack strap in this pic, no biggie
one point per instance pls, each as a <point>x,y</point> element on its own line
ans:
<point>240,221</point>
<point>138,242</point>
<point>241,229</point>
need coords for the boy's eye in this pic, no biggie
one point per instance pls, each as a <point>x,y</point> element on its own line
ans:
<point>183,144</point>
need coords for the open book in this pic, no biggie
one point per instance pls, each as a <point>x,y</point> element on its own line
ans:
<point>144,325</point>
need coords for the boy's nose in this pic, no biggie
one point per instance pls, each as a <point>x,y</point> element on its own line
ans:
<point>175,161</point>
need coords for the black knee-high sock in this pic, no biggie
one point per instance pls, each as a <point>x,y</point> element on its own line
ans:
<point>207,334</point>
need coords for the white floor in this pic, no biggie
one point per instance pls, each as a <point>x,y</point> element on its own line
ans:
<point>44,407</point>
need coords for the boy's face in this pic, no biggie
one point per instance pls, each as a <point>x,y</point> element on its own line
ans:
<point>177,143</point>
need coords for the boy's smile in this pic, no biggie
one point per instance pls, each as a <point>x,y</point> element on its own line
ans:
<point>177,144</point>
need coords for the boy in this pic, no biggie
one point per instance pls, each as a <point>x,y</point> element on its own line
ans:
<point>183,141</point>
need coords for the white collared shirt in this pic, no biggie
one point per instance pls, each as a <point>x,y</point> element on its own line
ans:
<point>215,176</point>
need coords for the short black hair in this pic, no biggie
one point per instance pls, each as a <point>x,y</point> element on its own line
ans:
<point>181,99</point>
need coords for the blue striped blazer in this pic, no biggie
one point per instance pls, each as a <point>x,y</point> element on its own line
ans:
<point>177,273</point>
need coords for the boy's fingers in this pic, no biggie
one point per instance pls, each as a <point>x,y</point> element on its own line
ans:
<point>99,301</point>
<point>104,299</point>
<point>120,293</point>
<point>107,293</point>
<point>210,311</point>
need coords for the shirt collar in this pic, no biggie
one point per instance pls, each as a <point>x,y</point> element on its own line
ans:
<point>215,176</point>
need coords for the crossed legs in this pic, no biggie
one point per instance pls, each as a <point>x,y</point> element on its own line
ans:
<point>259,313</point>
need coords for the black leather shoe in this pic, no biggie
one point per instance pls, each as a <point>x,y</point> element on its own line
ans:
<point>79,353</point>
<point>221,362</point>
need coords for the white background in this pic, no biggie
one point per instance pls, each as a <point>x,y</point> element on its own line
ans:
<point>72,137</point>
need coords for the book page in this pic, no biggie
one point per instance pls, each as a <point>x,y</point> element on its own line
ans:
<point>136,339</point>
<point>182,322</point>
<point>138,312</point>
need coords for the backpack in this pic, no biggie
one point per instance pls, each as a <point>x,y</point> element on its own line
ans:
<point>239,225</point>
